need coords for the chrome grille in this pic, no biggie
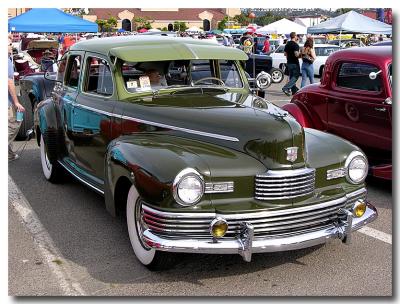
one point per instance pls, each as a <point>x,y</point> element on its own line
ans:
<point>284,184</point>
<point>266,223</point>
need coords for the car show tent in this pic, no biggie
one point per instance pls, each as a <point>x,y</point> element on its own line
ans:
<point>49,20</point>
<point>283,26</point>
<point>351,22</point>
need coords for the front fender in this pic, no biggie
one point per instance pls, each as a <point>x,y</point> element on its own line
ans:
<point>151,163</point>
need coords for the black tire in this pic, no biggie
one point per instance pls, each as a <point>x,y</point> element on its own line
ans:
<point>284,69</point>
<point>321,71</point>
<point>153,259</point>
<point>27,122</point>
<point>52,170</point>
<point>276,75</point>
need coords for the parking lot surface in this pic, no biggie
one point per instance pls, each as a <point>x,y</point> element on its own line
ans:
<point>62,241</point>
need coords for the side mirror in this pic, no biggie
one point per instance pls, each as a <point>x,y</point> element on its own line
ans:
<point>373,75</point>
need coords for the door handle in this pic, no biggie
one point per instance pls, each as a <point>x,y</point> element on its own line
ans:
<point>380,109</point>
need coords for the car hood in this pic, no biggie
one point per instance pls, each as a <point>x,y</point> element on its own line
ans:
<point>238,121</point>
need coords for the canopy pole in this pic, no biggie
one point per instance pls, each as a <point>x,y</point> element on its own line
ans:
<point>340,37</point>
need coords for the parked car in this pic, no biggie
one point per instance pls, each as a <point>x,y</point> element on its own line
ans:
<point>320,39</point>
<point>382,43</point>
<point>354,101</point>
<point>30,65</point>
<point>274,43</point>
<point>347,43</point>
<point>321,50</point>
<point>194,161</point>
<point>258,63</point>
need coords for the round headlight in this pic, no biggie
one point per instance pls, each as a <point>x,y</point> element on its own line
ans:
<point>188,187</point>
<point>356,167</point>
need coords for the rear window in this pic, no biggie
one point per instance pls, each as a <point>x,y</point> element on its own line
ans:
<point>325,51</point>
<point>354,75</point>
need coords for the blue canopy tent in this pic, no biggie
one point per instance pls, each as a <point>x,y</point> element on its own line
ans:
<point>49,20</point>
<point>351,22</point>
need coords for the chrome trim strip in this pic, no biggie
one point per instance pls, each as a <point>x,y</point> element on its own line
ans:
<point>209,187</point>
<point>356,193</point>
<point>201,133</point>
<point>267,244</point>
<point>286,173</point>
<point>80,179</point>
<point>78,105</point>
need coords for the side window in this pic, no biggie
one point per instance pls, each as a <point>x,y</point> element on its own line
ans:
<point>99,78</point>
<point>73,71</point>
<point>280,49</point>
<point>356,76</point>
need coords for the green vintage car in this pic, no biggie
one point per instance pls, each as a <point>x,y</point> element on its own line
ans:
<point>168,130</point>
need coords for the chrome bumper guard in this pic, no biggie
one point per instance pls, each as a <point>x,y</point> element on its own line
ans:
<point>246,244</point>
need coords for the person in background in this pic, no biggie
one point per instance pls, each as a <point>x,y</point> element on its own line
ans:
<point>308,57</point>
<point>267,45</point>
<point>292,53</point>
<point>13,104</point>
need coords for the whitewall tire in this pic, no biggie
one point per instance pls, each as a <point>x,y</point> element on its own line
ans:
<point>51,171</point>
<point>151,258</point>
<point>144,255</point>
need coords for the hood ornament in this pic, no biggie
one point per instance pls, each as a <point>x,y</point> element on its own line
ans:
<point>291,153</point>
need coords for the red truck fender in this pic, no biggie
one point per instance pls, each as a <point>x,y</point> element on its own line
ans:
<point>302,118</point>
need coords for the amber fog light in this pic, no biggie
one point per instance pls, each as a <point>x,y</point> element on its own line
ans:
<point>359,208</point>
<point>218,227</point>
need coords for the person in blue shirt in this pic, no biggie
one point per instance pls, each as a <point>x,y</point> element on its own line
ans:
<point>13,104</point>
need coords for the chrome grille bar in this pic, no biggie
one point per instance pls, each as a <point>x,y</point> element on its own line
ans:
<point>284,184</point>
<point>265,223</point>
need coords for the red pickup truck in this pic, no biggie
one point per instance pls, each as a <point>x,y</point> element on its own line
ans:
<point>354,101</point>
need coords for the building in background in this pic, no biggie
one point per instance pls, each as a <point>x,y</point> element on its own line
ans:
<point>13,12</point>
<point>203,18</point>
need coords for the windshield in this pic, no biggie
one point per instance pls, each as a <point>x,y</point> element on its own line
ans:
<point>156,75</point>
<point>325,51</point>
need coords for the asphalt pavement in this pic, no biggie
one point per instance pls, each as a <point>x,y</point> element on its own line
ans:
<point>62,241</point>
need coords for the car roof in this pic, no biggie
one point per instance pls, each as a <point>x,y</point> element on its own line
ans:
<point>375,54</point>
<point>326,45</point>
<point>154,47</point>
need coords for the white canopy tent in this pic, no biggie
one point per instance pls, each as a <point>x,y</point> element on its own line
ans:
<point>193,29</point>
<point>283,26</point>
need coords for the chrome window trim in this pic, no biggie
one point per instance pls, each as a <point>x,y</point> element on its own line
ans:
<point>85,76</point>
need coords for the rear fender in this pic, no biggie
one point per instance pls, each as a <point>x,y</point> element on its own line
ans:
<point>47,120</point>
<point>150,162</point>
<point>301,116</point>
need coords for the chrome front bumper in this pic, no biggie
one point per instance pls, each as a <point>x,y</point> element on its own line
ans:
<point>246,243</point>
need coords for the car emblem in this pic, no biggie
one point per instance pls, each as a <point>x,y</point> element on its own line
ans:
<point>291,153</point>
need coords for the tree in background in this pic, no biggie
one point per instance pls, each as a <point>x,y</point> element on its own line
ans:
<point>242,19</point>
<point>180,26</point>
<point>222,23</point>
<point>107,25</point>
<point>342,11</point>
<point>142,22</point>
<point>268,18</point>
